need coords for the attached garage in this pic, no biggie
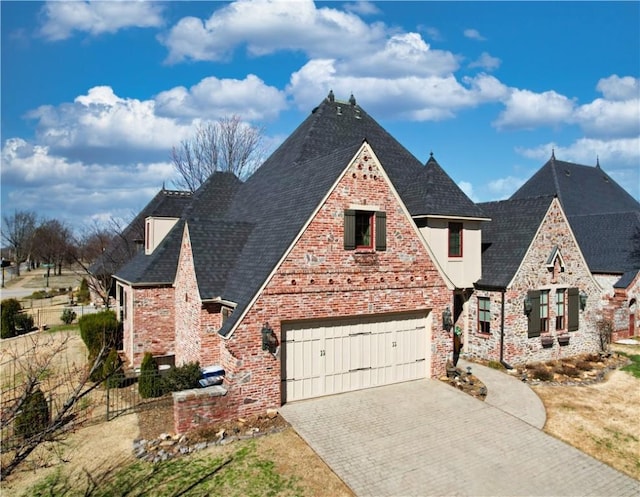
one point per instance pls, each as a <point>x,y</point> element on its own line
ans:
<point>334,356</point>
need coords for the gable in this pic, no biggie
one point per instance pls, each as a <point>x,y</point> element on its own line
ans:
<point>318,262</point>
<point>553,243</point>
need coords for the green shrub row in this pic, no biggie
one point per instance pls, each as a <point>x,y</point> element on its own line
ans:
<point>98,331</point>
<point>152,384</point>
<point>14,322</point>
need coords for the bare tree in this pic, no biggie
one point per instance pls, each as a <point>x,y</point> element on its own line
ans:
<point>17,232</point>
<point>41,368</point>
<point>54,244</point>
<point>228,145</point>
<point>103,250</point>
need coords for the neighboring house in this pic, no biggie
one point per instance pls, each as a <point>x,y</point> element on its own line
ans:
<point>316,278</point>
<point>606,222</point>
<point>537,299</point>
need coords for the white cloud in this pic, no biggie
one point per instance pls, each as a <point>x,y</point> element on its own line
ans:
<point>404,54</point>
<point>486,62</point>
<point>467,188</point>
<point>110,190</point>
<point>473,34</point>
<point>266,26</point>
<point>526,109</point>
<point>610,118</point>
<point>101,126</point>
<point>619,153</point>
<point>61,19</point>
<point>429,98</point>
<point>214,98</point>
<point>617,88</point>
<point>432,33</point>
<point>363,8</point>
<point>503,188</point>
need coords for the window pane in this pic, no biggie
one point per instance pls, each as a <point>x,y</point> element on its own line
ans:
<point>455,239</point>
<point>363,229</point>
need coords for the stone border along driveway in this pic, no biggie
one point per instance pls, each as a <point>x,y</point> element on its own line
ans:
<point>426,438</point>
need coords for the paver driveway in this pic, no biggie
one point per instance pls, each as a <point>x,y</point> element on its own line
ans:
<point>427,438</point>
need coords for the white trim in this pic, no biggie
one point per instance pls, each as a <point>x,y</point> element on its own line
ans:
<point>360,207</point>
<point>462,218</point>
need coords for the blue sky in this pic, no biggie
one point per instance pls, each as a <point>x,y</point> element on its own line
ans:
<point>95,94</point>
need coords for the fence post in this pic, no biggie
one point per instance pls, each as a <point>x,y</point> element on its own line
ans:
<point>108,402</point>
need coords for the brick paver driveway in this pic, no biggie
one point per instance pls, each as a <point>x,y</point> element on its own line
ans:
<point>426,438</point>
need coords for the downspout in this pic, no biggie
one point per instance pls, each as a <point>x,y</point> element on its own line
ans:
<point>502,361</point>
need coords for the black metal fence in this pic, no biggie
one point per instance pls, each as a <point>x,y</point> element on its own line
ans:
<point>125,396</point>
<point>52,316</point>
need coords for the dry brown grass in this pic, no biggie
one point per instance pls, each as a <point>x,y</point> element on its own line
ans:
<point>600,419</point>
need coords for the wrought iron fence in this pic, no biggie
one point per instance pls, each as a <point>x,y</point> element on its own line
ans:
<point>125,396</point>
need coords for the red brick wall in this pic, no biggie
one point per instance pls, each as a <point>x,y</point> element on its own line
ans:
<point>198,408</point>
<point>319,279</point>
<point>149,323</point>
<point>534,275</point>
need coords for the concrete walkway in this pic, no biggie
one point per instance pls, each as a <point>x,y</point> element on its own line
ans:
<point>509,394</point>
<point>429,439</point>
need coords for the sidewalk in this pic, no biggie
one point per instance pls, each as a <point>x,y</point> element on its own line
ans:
<point>509,394</point>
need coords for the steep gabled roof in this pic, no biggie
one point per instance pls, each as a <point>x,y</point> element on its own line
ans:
<point>210,201</point>
<point>506,239</point>
<point>166,203</point>
<point>216,247</point>
<point>279,209</point>
<point>581,189</point>
<point>607,240</point>
<point>434,193</point>
<point>602,215</point>
<point>157,268</point>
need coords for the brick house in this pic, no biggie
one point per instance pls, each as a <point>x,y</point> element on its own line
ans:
<point>537,299</point>
<point>323,251</point>
<point>606,222</point>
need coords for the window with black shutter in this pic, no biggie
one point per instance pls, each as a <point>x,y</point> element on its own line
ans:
<point>365,230</point>
<point>573,309</point>
<point>534,316</point>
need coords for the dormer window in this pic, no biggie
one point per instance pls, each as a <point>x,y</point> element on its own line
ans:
<point>455,239</point>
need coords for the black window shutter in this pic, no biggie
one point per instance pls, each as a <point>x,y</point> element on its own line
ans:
<point>574,309</point>
<point>381,231</point>
<point>534,316</point>
<point>349,229</point>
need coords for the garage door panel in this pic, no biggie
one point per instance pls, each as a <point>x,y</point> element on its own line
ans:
<point>323,358</point>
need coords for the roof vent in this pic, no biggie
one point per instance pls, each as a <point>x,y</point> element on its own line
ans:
<point>567,172</point>
<point>352,99</point>
<point>339,110</point>
<point>357,114</point>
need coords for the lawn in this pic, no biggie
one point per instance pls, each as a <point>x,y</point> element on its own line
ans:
<point>600,419</point>
<point>97,460</point>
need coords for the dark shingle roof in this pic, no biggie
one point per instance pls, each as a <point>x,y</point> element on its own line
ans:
<point>607,240</point>
<point>210,201</point>
<point>239,231</point>
<point>506,239</point>
<point>580,189</point>
<point>601,213</point>
<point>626,279</point>
<point>157,268</point>
<point>166,203</point>
<point>434,193</point>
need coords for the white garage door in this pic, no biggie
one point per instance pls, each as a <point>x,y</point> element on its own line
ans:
<point>327,357</point>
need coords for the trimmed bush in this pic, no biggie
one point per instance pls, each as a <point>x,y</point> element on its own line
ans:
<point>33,417</point>
<point>24,323</point>
<point>149,384</point>
<point>68,316</point>
<point>10,310</point>
<point>541,373</point>
<point>97,331</point>
<point>83,296</point>
<point>112,370</point>
<point>182,378</point>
